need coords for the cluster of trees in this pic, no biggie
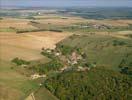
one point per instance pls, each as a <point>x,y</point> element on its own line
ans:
<point>67,50</point>
<point>118,43</point>
<point>91,85</point>
<point>41,26</point>
<point>34,30</point>
<point>19,61</point>
<point>55,30</point>
<point>126,66</point>
<point>49,55</point>
<point>127,70</point>
<point>53,65</point>
<point>38,30</point>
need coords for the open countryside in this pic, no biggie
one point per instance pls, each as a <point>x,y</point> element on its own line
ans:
<point>65,53</point>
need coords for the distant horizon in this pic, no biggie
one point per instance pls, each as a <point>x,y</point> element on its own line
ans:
<point>62,8</point>
<point>55,7</point>
<point>65,3</point>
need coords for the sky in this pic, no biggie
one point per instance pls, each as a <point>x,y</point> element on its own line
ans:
<point>67,3</point>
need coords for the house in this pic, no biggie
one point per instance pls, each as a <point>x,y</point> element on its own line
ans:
<point>57,54</point>
<point>48,50</point>
<point>75,57</point>
<point>35,76</point>
<point>64,68</point>
<point>83,68</point>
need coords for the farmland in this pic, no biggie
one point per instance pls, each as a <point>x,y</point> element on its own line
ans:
<point>26,46</point>
<point>45,53</point>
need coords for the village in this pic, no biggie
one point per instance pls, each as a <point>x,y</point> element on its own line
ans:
<point>92,26</point>
<point>63,61</point>
<point>70,58</point>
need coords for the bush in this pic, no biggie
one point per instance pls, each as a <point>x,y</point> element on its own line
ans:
<point>118,43</point>
<point>49,55</point>
<point>53,65</point>
<point>65,50</point>
<point>55,30</point>
<point>18,61</point>
<point>126,70</point>
<point>35,30</point>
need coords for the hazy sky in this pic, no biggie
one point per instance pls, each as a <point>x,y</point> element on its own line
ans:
<point>61,3</point>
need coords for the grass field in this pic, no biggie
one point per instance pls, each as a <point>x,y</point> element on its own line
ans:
<point>13,83</point>
<point>44,94</point>
<point>100,49</point>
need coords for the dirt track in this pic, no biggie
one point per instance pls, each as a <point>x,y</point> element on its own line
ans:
<point>30,97</point>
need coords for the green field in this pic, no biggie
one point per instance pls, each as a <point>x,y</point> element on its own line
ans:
<point>44,94</point>
<point>6,30</point>
<point>101,49</point>
<point>18,84</point>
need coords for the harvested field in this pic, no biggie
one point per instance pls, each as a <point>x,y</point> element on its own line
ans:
<point>8,93</point>
<point>15,23</point>
<point>109,22</point>
<point>62,21</point>
<point>120,34</point>
<point>28,45</point>
<point>116,23</point>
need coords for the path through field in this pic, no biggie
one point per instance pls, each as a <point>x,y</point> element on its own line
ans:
<point>30,97</point>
